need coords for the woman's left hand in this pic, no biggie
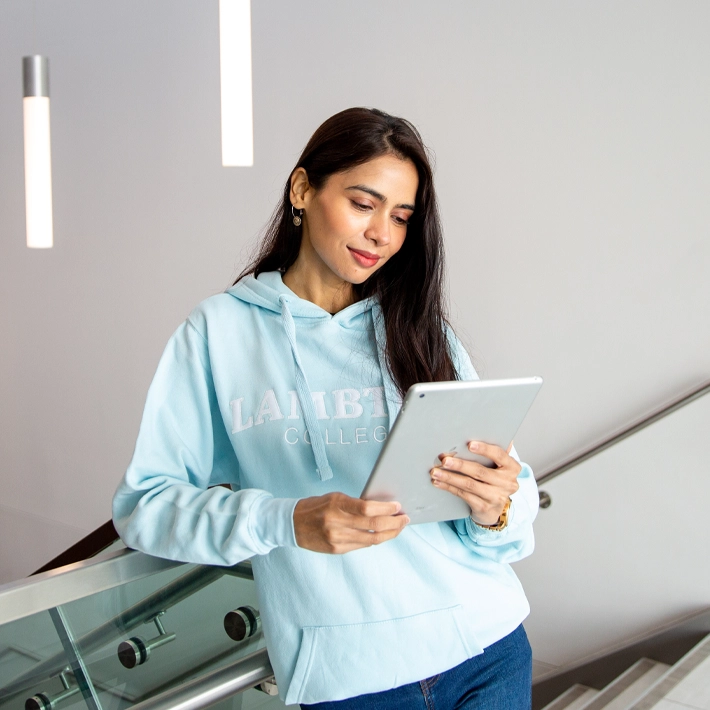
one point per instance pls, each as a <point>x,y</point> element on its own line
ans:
<point>486,490</point>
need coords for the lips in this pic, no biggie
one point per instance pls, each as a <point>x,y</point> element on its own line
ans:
<point>364,258</point>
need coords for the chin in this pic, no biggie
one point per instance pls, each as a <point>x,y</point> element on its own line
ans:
<point>360,279</point>
<point>361,276</point>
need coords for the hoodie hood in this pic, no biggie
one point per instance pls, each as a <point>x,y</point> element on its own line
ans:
<point>269,292</point>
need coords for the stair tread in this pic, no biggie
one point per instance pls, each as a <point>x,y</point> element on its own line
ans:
<point>687,683</point>
<point>664,704</point>
<point>573,698</point>
<point>694,689</point>
<point>628,687</point>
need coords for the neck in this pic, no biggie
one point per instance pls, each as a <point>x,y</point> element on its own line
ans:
<point>326,290</point>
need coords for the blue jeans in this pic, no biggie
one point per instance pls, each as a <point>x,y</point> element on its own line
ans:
<point>500,678</point>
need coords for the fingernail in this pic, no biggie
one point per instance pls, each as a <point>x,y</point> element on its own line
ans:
<point>435,473</point>
<point>472,446</point>
<point>447,462</point>
<point>398,508</point>
<point>407,520</point>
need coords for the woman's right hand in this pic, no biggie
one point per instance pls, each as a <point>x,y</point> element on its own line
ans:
<point>336,523</point>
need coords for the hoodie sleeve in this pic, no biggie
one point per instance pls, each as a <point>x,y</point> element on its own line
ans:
<point>163,505</point>
<point>516,540</point>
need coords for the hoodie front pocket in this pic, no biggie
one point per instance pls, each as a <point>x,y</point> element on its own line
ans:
<point>336,662</point>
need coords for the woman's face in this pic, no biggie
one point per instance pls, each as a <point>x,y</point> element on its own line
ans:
<point>357,220</point>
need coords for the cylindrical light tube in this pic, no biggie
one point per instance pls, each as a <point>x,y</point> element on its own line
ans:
<point>38,161</point>
<point>235,80</point>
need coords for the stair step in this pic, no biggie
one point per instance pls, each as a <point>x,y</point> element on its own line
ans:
<point>686,683</point>
<point>628,687</point>
<point>573,698</point>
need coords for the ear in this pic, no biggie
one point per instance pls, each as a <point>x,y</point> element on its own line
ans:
<point>301,189</point>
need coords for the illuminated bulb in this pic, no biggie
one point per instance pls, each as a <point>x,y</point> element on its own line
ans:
<point>235,78</point>
<point>38,162</point>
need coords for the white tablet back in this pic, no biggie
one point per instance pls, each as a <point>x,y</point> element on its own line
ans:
<point>438,418</point>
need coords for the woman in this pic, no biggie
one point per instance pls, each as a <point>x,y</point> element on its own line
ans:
<point>285,387</point>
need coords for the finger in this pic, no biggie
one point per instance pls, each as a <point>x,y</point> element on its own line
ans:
<point>475,470</point>
<point>469,468</point>
<point>486,510</point>
<point>499,457</point>
<point>467,495</point>
<point>492,488</point>
<point>378,523</point>
<point>460,482</point>
<point>350,540</point>
<point>369,508</point>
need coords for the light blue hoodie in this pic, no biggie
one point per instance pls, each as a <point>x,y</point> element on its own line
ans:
<point>272,394</point>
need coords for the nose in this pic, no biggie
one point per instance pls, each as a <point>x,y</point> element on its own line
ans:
<point>378,230</point>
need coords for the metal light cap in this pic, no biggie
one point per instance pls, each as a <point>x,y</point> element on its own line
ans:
<point>35,75</point>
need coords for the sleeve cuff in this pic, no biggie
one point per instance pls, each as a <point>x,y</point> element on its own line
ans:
<point>272,523</point>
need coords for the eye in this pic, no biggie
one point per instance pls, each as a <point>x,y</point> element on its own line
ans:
<point>400,221</point>
<point>362,207</point>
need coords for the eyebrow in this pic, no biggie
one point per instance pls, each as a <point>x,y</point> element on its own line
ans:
<point>379,196</point>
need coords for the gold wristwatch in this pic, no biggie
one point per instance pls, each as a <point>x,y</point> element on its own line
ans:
<point>502,521</point>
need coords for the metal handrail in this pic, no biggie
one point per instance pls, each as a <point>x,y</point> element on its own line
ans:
<point>214,686</point>
<point>76,581</point>
<point>48,590</point>
<point>625,433</point>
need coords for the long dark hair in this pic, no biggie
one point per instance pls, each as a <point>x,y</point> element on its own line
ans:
<point>409,286</point>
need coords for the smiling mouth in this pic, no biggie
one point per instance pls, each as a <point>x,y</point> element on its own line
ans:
<point>364,258</point>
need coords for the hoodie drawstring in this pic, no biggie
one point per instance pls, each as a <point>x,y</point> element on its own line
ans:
<point>304,396</point>
<point>392,398</point>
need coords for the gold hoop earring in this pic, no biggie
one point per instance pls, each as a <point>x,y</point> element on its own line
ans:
<point>296,217</point>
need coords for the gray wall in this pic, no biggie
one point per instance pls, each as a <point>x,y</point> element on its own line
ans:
<point>623,548</point>
<point>573,158</point>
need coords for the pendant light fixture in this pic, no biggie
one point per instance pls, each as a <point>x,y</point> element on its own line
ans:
<point>235,79</point>
<point>38,162</point>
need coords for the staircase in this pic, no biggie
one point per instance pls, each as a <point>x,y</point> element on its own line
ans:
<point>648,684</point>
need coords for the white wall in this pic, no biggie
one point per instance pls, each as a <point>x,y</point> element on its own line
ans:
<point>573,167</point>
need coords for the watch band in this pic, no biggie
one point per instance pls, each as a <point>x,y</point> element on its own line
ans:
<point>502,520</point>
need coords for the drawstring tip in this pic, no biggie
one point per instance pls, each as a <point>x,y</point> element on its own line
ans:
<point>324,474</point>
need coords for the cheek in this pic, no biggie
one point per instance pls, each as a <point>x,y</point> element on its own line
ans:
<point>397,243</point>
<point>336,221</point>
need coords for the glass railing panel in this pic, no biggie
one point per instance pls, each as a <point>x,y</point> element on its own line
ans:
<point>165,629</point>
<point>24,644</point>
<point>136,639</point>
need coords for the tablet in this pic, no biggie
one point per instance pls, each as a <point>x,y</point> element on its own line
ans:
<point>438,418</point>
